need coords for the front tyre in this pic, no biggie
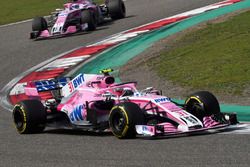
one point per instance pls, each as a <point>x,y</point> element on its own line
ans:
<point>29,116</point>
<point>89,17</point>
<point>201,104</point>
<point>117,9</point>
<point>123,118</point>
<point>39,24</point>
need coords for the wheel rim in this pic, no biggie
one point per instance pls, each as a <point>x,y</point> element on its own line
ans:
<point>18,118</point>
<point>196,108</point>
<point>119,121</point>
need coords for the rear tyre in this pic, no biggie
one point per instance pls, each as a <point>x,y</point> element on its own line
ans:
<point>202,104</point>
<point>123,118</point>
<point>29,116</point>
<point>89,17</point>
<point>39,24</point>
<point>117,9</point>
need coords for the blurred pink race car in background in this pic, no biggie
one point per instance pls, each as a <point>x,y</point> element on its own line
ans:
<point>96,103</point>
<point>78,15</point>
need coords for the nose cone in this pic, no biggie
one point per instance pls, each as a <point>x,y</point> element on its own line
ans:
<point>182,128</point>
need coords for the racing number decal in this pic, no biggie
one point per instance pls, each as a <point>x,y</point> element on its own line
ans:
<point>73,85</point>
<point>70,87</point>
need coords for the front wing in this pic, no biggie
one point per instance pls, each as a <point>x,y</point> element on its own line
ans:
<point>160,130</point>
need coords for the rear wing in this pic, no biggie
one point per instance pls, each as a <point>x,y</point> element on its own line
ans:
<point>33,88</point>
<point>47,85</point>
<point>65,86</point>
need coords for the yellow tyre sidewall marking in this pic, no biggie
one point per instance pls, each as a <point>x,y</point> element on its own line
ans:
<point>21,109</point>
<point>193,97</point>
<point>127,121</point>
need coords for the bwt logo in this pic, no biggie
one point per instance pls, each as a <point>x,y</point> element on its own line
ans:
<point>76,82</point>
<point>162,100</point>
<point>77,114</point>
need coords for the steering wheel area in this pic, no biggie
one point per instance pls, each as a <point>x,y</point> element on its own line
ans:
<point>123,91</point>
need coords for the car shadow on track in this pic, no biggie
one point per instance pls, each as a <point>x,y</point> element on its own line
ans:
<point>77,132</point>
<point>108,22</point>
<point>108,134</point>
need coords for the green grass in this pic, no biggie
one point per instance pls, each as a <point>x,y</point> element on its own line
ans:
<point>215,58</point>
<point>17,10</point>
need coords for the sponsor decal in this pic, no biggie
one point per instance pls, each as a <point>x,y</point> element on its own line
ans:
<point>45,85</point>
<point>162,100</point>
<point>145,130</point>
<point>137,94</point>
<point>73,85</point>
<point>77,81</point>
<point>97,95</point>
<point>50,84</point>
<point>100,77</point>
<point>77,114</point>
<point>148,129</point>
<point>191,119</point>
<point>63,14</point>
<point>181,113</point>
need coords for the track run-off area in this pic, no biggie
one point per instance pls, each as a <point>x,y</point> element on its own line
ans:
<point>57,148</point>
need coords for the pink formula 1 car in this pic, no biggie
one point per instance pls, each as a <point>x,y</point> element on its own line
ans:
<point>78,15</point>
<point>96,103</point>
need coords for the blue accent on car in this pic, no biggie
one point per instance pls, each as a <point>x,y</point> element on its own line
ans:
<point>162,100</point>
<point>76,115</point>
<point>46,85</point>
<point>78,81</point>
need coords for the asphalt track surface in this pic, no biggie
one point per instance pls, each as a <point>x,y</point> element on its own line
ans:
<point>76,148</point>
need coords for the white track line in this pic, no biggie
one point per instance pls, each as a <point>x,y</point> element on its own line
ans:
<point>12,24</point>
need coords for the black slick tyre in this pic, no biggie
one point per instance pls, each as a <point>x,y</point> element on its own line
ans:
<point>29,116</point>
<point>39,24</point>
<point>117,9</point>
<point>201,104</point>
<point>89,17</point>
<point>123,118</point>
